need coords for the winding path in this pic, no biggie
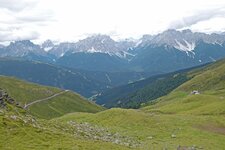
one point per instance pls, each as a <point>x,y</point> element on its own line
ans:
<point>44,99</point>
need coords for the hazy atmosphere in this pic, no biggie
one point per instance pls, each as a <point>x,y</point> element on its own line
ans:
<point>70,20</point>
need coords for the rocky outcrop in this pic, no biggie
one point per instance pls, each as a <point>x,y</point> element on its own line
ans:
<point>94,132</point>
<point>6,99</point>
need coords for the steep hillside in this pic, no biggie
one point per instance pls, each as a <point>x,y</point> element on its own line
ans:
<point>26,93</point>
<point>203,94</point>
<point>209,78</point>
<point>206,79</point>
<point>134,94</point>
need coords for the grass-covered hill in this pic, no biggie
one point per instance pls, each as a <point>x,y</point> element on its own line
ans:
<point>25,93</point>
<point>21,131</point>
<point>208,81</point>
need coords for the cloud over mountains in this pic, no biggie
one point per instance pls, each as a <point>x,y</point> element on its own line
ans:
<point>69,20</point>
<point>197,17</point>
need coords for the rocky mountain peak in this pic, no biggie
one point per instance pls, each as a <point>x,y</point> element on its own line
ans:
<point>99,38</point>
<point>47,45</point>
<point>187,31</point>
<point>105,44</point>
<point>184,40</point>
<point>22,48</point>
<point>97,43</point>
<point>62,48</point>
<point>22,43</point>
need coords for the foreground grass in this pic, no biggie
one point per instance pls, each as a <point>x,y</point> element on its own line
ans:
<point>159,131</point>
<point>24,133</point>
<point>147,129</point>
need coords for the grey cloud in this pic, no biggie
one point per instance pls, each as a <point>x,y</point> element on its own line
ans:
<point>30,18</point>
<point>8,28</point>
<point>198,17</point>
<point>17,5</point>
<point>24,18</point>
<point>10,36</point>
<point>42,17</point>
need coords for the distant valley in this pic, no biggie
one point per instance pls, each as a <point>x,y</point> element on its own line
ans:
<point>86,83</point>
<point>99,63</point>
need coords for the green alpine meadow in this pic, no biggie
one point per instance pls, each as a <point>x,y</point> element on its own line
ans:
<point>112,75</point>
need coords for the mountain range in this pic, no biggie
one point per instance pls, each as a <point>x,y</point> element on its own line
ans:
<point>99,63</point>
<point>165,52</point>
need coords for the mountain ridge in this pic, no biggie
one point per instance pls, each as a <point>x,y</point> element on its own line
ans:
<point>168,51</point>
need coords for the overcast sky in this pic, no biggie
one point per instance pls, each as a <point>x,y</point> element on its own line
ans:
<point>70,20</point>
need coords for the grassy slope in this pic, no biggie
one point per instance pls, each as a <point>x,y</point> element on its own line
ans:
<point>154,131</point>
<point>209,81</point>
<point>25,92</point>
<point>66,103</point>
<point>24,133</point>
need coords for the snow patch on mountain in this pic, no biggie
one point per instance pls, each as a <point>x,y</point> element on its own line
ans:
<point>108,78</point>
<point>185,46</point>
<point>102,41</point>
<point>93,50</point>
<point>212,59</point>
<point>61,55</point>
<point>138,43</point>
<point>217,43</point>
<point>47,48</point>
<point>127,54</point>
